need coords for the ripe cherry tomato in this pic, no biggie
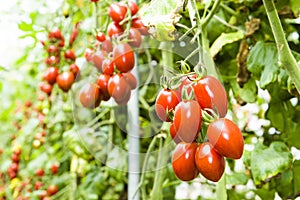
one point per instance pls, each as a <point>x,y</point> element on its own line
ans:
<point>14,166</point>
<point>210,164</point>
<point>183,161</point>
<point>226,138</point>
<point>210,93</point>
<point>53,50</point>
<point>75,69</point>
<point>52,60</point>
<point>38,185</point>
<point>117,12</point>
<point>166,102</point>
<point>187,82</point>
<point>173,133</point>
<point>15,158</point>
<point>130,78</point>
<point>123,57</point>
<point>69,54</point>
<point>50,75</point>
<point>98,58</point>
<point>188,120</point>
<point>107,46</point>
<point>74,34</point>
<point>114,29</point>
<point>118,87</point>
<point>100,37</point>
<point>90,96</point>
<point>134,8</point>
<point>134,37</point>
<point>125,100</point>
<point>55,34</point>
<point>47,88</point>
<point>54,168</point>
<point>65,80</point>
<point>107,67</point>
<point>52,189</point>
<point>137,23</point>
<point>39,172</point>
<point>102,82</point>
<point>89,54</point>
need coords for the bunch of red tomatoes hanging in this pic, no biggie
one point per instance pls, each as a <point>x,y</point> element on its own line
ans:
<point>113,56</point>
<point>58,56</point>
<point>202,135</point>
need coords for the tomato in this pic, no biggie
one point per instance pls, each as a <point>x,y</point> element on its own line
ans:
<point>107,46</point>
<point>210,164</point>
<point>50,75</point>
<point>17,151</point>
<point>89,54</point>
<point>183,161</point>
<point>54,168</point>
<point>114,29</point>
<point>134,37</point>
<point>166,102</point>
<point>107,67</point>
<point>38,185</point>
<point>173,133</point>
<point>118,87</point>
<point>47,88</point>
<point>52,189</point>
<point>137,23</point>
<point>90,96</point>
<point>125,100</point>
<point>187,83</point>
<point>69,54</point>
<point>39,172</point>
<point>65,80</point>
<point>74,34</point>
<point>52,60</point>
<point>98,58</point>
<point>130,78</point>
<point>102,82</point>
<point>117,12</point>
<point>100,37</point>
<point>61,43</point>
<point>75,70</point>
<point>226,138</point>
<point>55,34</point>
<point>42,194</point>
<point>14,166</point>
<point>123,57</point>
<point>134,8</point>
<point>53,50</point>
<point>210,93</point>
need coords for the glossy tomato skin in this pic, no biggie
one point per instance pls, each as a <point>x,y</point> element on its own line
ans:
<point>226,138</point>
<point>69,54</point>
<point>187,83</point>
<point>89,54</point>
<point>210,93</point>
<point>114,29</point>
<point>188,120</point>
<point>123,57</point>
<point>107,67</point>
<point>138,24</point>
<point>98,58</point>
<point>107,46</point>
<point>134,8</point>
<point>90,96</point>
<point>117,12</point>
<point>173,133</point>
<point>52,189</point>
<point>102,82</point>
<point>54,168</point>
<point>50,75</point>
<point>183,161</point>
<point>118,87</point>
<point>166,101</point>
<point>47,88</point>
<point>52,60</point>
<point>100,37</point>
<point>125,100</point>
<point>75,69</point>
<point>210,164</point>
<point>134,37</point>
<point>65,80</point>
<point>130,78</point>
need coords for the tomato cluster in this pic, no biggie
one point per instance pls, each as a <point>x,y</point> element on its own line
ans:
<point>194,152</point>
<point>57,56</point>
<point>114,58</point>
<point>12,171</point>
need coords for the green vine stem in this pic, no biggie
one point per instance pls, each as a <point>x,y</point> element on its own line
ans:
<point>285,56</point>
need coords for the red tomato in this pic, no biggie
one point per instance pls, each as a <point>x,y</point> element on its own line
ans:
<point>38,185</point>
<point>226,138</point>
<point>125,100</point>
<point>117,12</point>
<point>17,151</point>
<point>137,23</point>
<point>52,60</point>
<point>210,93</point>
<point>107,67</point>
<point>134,8</point>
<point>187,82</point>
<point>75,70</point>
<point>173,133</point>
<point>47,88</point>
<point>65,80</point>
<point>118,87</point>
<point>98,58</point>
<point>74,35</point>
<point>114,29</point>
<point>183,161</point>
<point>90,96</point>
<point>210,164</point>
<point>53,50</point>
<point>100,37</point>
<point>69,54</point>
<point>14,166</point>
<point>107,46</point>
<point>39,172</point>
<point>102,82</point>
<point>50,75</point>
<point>43,194</point>
<point>188,120</point>
<point>52,189</point>
<point>134,37</point>
<point>61,43</point>
<point>89,54</point>
<point>54,168</point>
<point>130,78</point>
<point>55,34</point>
<point>166,102</point>
<point>123,57</point>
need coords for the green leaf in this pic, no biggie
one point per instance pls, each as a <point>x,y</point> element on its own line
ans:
<point>263,63</point>
<point>267,162</point>
<point>265,192</point>
<point>237,179</point>
<point>295,6</point>
<point>296,171</point>
<point>223,39</point>
<point>25,27</point>
<point>248,93</point>
<point>283,184</point>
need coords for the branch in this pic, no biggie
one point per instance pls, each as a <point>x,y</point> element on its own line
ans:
<point>286,58</point>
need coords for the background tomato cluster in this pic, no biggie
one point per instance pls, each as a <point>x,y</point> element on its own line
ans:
<point>54,147</point>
